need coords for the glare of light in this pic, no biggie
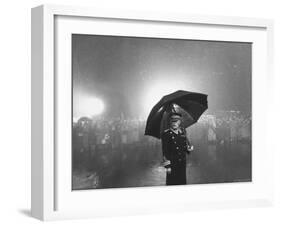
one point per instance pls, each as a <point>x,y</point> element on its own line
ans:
<point>159,89</point>
<point>89,106</point>
<point>75,119</point>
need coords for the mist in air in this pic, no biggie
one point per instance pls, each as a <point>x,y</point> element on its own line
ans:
<point>128,75</point>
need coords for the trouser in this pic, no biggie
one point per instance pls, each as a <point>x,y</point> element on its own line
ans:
<point>177,176</point>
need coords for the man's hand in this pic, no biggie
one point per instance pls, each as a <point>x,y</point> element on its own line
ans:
<point>190,148</point>
<point>166,163</point>
<point>168,170</point>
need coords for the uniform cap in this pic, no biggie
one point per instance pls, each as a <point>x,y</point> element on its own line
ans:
<point>174,116</point>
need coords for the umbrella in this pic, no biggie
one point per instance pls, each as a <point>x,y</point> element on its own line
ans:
<point>192,105</point>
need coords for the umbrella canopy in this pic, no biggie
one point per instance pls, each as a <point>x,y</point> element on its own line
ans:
<point>191,104</point>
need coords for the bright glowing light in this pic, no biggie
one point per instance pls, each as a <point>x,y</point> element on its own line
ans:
<point>89,106</point>
<point>159,89</point>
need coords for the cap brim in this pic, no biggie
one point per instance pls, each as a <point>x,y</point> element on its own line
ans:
<point>175,119</point>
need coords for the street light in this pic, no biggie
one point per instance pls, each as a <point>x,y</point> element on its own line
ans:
<point>89,106</point>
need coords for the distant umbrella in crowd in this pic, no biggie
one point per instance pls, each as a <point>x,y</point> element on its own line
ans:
<point>192,105</point>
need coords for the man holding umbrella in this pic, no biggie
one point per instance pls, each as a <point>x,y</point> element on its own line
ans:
<point>174,141</point>
<point>175,146</point>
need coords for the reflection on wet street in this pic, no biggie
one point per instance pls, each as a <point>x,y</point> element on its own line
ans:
<point>209,163</point>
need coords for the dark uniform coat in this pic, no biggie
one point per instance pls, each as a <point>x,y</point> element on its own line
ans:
<point>174,148</point>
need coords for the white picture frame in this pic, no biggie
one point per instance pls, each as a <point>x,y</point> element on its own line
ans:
<point>52,197</point>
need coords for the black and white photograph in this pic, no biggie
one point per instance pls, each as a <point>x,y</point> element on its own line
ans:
<point>159,112</point>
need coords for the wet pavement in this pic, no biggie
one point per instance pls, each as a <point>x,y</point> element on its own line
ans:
<point>209,163</point>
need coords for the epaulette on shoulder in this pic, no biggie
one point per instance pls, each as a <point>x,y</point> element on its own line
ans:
<point>166,130</point>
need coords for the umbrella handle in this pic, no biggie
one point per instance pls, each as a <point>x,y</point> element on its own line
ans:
<point>172,108</point>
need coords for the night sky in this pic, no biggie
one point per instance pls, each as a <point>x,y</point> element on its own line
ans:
<point>124,72</point>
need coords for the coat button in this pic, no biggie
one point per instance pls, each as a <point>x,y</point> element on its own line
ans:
<point>177,147</point>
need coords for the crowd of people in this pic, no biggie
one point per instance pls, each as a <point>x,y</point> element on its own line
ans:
<point>106,145</point>
<point>89,134</point>
<point>222,128</point>
<point>99,142</point>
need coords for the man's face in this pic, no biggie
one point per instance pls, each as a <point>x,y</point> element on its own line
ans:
<point>175,124</point>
